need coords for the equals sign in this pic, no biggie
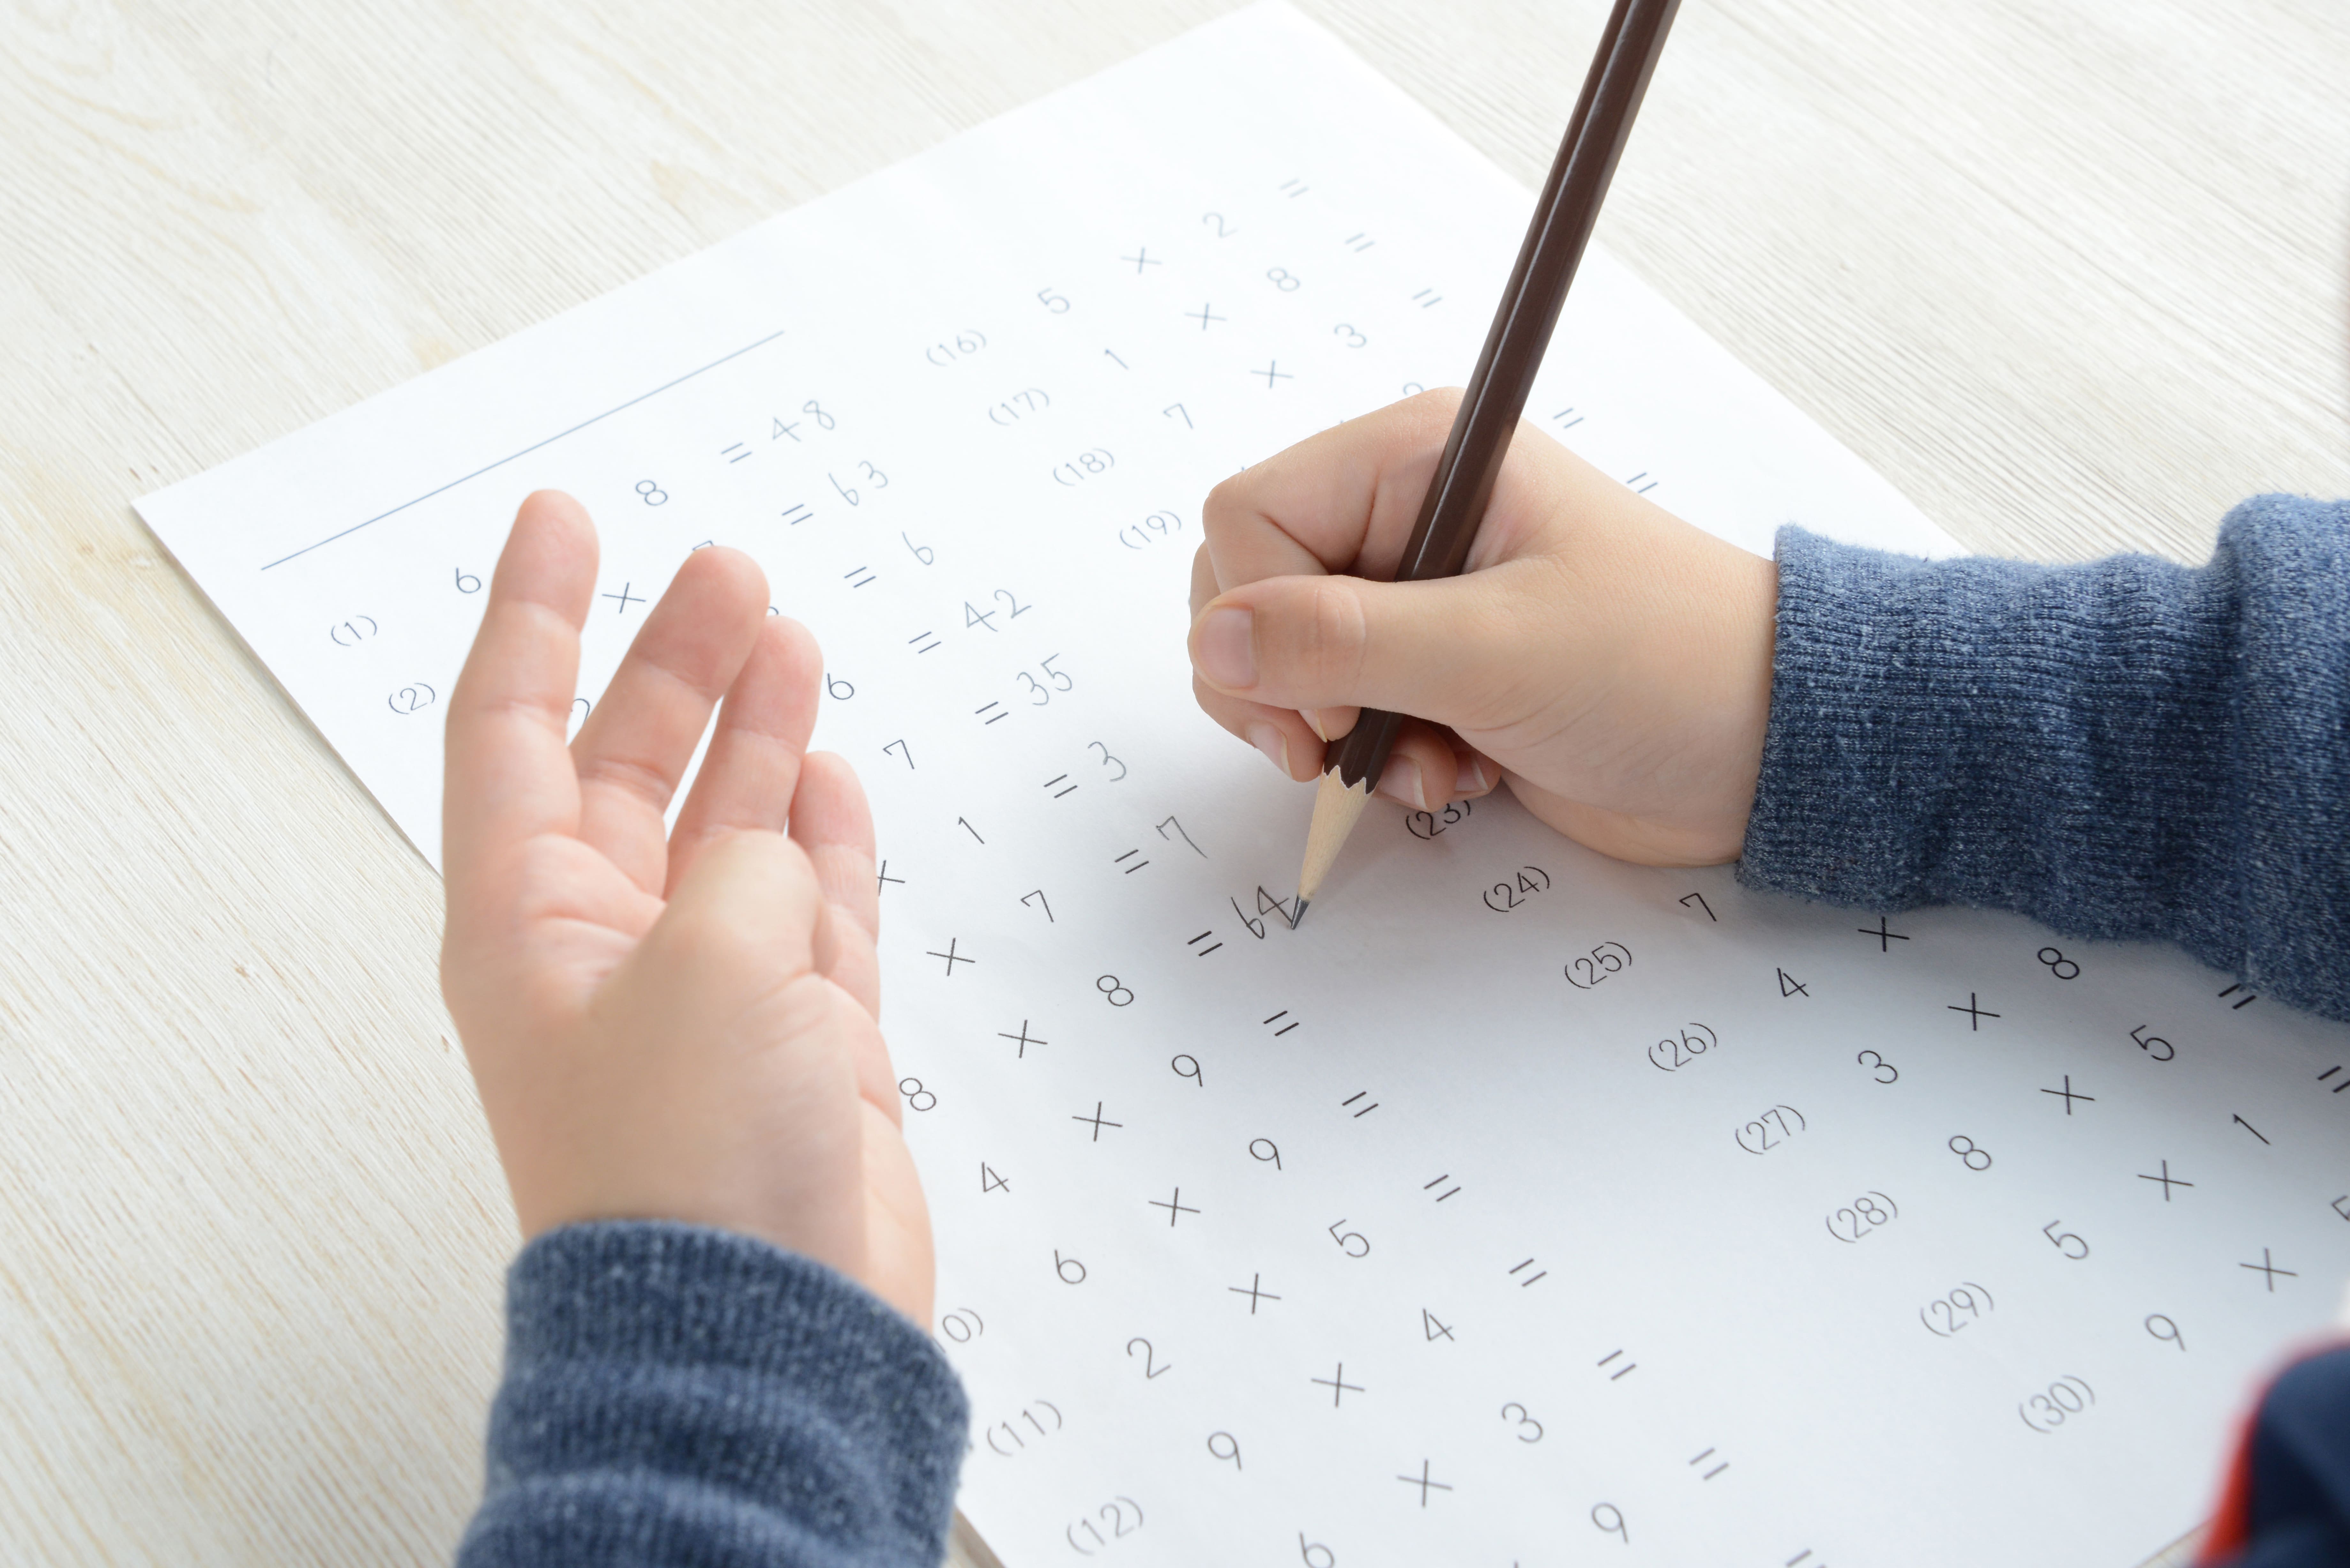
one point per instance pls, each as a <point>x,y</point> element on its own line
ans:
<point>860,582</point>
<point>1713,1473</point>
<point>1428,298</point>
<point>1203,937</point>
<point>1442,1196</point>
<point>797,513</point>
<point>1544,1275</point>
<point>1294,187</point>
<point>1638,488</point>
<point>1129,854</point>
<point>2246,1002</point>
<point>2329,1072</point>
<point>998,719</point>
<point>1367,1110</point>
<point>918,637</point>
<point>1563,422</point>
<point>1050,783</point>
<point>738,446</point>
<point>1628,1366</point>
<point>1292,1023</point>
<point>1358,243</point>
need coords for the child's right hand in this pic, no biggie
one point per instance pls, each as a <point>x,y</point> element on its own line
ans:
<point>1613,661</point>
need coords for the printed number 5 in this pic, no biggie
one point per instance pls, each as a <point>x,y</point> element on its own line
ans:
<point>1060,678</point>
<point>2066,1242</point>
<point>1348,1241</point>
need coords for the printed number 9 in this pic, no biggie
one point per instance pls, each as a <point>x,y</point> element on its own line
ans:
<point>1108,986</point>
<point>916,1095</point>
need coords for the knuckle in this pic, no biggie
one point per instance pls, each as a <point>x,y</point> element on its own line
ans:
<point>1223,507</point>
<point>1332,634</point>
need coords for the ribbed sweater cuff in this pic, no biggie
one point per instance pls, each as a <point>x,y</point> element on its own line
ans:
<point>2053,740</point>
<point>674,1394</point>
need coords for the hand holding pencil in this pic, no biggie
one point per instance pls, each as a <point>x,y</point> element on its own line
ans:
<point>1464,480</point>
<point>1611,662</point>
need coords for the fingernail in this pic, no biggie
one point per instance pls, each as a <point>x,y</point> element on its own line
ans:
<point>1313,722</point>
<point>1471,777</point>
<point>1228,648</point>
<point>1268,739</point>
<point>1400,781</point>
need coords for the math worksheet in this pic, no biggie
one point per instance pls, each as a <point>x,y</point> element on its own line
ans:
<point>1518,1207</point>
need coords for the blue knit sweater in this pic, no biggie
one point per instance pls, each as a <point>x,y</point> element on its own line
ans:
<point>2127,749</point>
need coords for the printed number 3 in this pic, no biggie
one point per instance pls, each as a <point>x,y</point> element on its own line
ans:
<point>1885,1072</point>
<point>1060,678</point>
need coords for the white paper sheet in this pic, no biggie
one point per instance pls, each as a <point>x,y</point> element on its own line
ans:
<point>1245,1232</point>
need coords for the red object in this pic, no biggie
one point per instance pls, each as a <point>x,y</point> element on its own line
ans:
<point>2231,1529</point>
<point>2231,1522</point>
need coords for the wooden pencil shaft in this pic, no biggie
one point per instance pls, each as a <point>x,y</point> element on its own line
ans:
<point>1565,215</point>
<point>1337,806</point>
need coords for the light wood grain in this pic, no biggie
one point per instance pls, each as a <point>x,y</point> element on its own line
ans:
<point>2071,275</point>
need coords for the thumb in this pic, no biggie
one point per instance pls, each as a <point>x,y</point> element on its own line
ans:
<point>747,916</point>
<point>1437,651</point>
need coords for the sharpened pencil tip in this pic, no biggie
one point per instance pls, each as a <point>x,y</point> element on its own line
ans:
<point>1299,916</point>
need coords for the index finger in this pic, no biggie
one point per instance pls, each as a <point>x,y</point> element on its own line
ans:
<point>1343,501</point>
<point>508,775</point>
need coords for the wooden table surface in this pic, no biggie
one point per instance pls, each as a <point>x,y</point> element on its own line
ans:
<point>2070,271</point>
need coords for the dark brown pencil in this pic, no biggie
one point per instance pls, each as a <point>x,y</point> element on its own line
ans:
<point>1456,499</point>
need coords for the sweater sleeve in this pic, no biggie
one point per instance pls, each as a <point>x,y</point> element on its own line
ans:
<point>687,1397</point>
<point>2127,749</point>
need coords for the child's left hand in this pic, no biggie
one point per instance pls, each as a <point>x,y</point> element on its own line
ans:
<point>671,1025</point>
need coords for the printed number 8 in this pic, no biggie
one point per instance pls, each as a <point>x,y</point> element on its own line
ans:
<point>916,1095</point>
<point>1108,986</point>
<point>2058,964</point>
<point>1282,279</point>
<point>651,493</point>
<point>1968,1153</point>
